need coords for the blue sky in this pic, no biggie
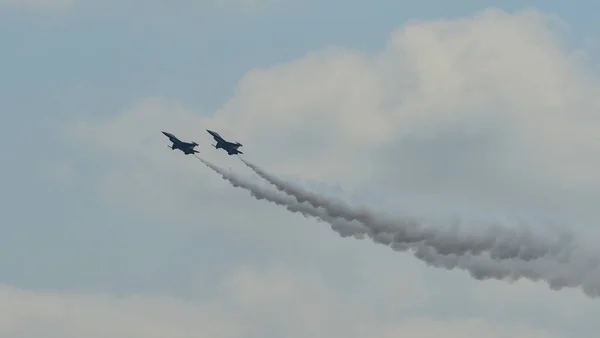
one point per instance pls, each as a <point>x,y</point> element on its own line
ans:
<point>67,229</point>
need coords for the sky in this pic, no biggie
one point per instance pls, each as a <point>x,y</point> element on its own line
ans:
<point>471,108</point>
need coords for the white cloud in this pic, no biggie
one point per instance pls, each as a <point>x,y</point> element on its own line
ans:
<point>251,303</point>
<point>30,314</point>
<point>490,108</point>
<point>569,305</point>
<point>487,107</point>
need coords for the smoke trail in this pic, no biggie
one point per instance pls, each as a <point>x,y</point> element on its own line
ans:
<point>499,242</point>
<point>556,275</point>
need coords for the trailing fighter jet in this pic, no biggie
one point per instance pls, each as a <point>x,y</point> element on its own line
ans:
<point>186,147</point>
<point>229,147</point>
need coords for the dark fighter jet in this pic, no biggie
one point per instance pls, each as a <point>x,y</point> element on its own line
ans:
<point>186,147</point>
<point>229,147</point>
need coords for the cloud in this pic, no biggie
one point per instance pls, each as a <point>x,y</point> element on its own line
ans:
<point>527,297</point>
<point>491,110</point>
<point>29,314</point>
<point>274,302</point>
<point>487,109</point>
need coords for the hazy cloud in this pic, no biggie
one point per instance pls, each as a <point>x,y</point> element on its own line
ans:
<point>490,110</point>
<point>250,303</point>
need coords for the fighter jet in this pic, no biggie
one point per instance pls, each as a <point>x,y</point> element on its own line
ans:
<point>229,147</point>
<point>186,147</point>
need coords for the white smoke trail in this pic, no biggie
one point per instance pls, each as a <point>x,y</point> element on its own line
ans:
<point>499,242</point>
<point>555,274</point>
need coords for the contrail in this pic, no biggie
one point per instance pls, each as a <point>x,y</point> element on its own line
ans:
<point>501,243</point>
<point>260,193</point>
<point>555,274</point>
